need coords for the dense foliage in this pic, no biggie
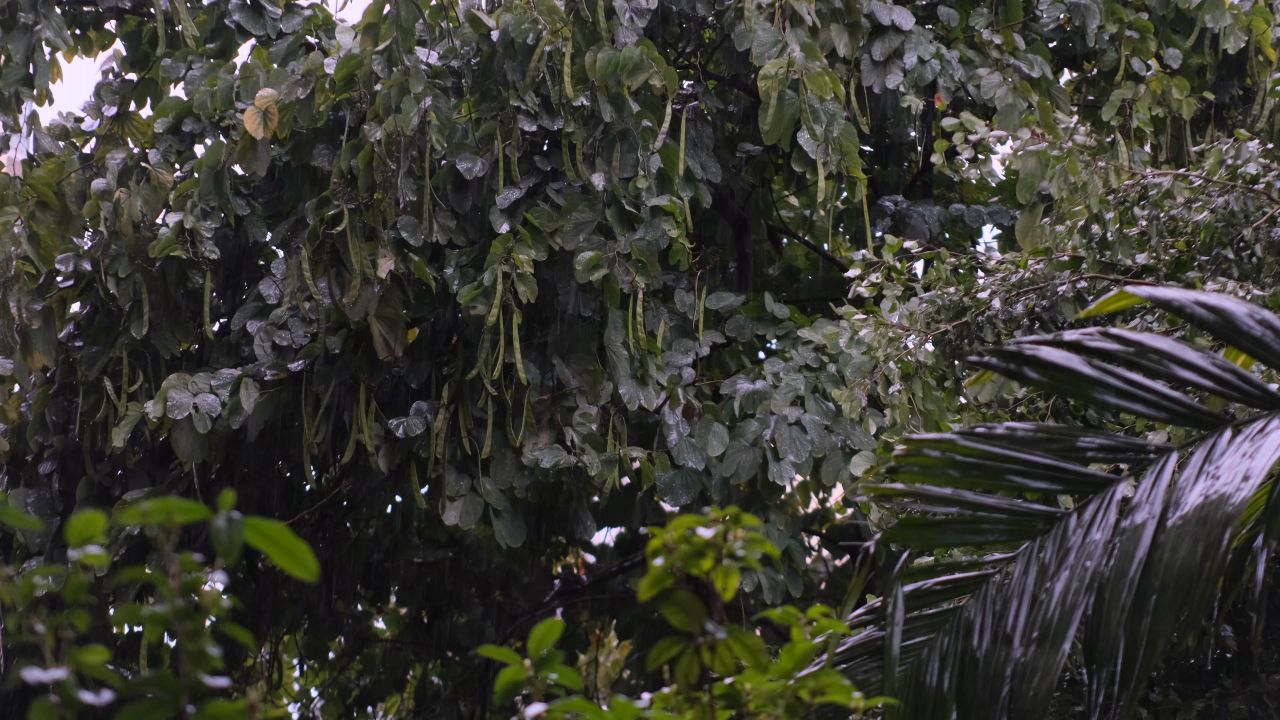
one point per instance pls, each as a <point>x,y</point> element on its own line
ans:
<point>457,289</point>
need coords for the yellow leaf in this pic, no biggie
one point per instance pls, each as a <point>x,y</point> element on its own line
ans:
<point>261,123</point>
<point>266,99</point>
<point>980,378</point>
<point>1238,357</point>
<point>412,334</point>
<point>1112,302</point>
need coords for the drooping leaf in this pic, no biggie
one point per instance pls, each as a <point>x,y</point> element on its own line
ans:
<point>283,547</point>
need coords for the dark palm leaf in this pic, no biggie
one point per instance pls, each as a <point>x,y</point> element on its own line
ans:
<point>1135,559</point>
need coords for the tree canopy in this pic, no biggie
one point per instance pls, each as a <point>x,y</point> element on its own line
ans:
<point>451,311</point>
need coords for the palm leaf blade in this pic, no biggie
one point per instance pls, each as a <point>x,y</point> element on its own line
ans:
<point>1240,324</point>
<point>1097,383</point>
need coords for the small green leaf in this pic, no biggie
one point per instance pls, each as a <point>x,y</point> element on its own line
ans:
<point>688,668</point>
<point>282,547</point>
<point>238,633</point>
<point>1031,171</point>
<point>653,582</point>
<point>508,684</point>
<point>85,527</point>
<point>544,635</point>
<point>725,579</point>
<point>167,510</point>
<point>565,676</point>
<point>1029,231</point>
<point>500,654</point>
<point>226,499</point>
<point>664,650</point>
<point>19,520</point>
<point>222,710</point>
<point>90,658</point>
<point>227,533</point>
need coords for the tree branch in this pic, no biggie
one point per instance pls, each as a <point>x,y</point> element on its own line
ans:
<point>1275,200</point>
<point>114,13</point>
<point>817,249</point>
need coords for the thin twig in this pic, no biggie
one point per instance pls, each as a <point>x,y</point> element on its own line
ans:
<point>818,249</point>
<point>1262,220</point>
<point>1275,200</point>
<point>313,508</point>
<point>1078,278</point>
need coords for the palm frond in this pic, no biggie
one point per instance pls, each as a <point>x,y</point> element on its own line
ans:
<point>1131,564</point>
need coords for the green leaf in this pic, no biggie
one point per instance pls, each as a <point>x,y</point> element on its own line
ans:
<point>248,394</point>
<point>717,440</point>
<point>153,708</point>
<point>410,229</point>
<point>543,636</point>
<point>1031,171</point>
<point>688,668</point>
<point>283,547</point>
<point>167,510</point>
<point>464,511</point>
<point>471,166</point>
<point>683,610</point>
<point>226,499</point>
<point>589,266</point>
<point>680,486</point>
<point>19,520</point>
<point>226,530</point>
<point>1029,231</point>
<point>222,710</point>
<point>509,684</point>
<point>665,650</point>
<point>85,527</point>
<point>725,579</point>
<point>179,403</point>
<point>861,463</point>
<point>124,427</point>
<point>500,654</point>
<point>509,528</point>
